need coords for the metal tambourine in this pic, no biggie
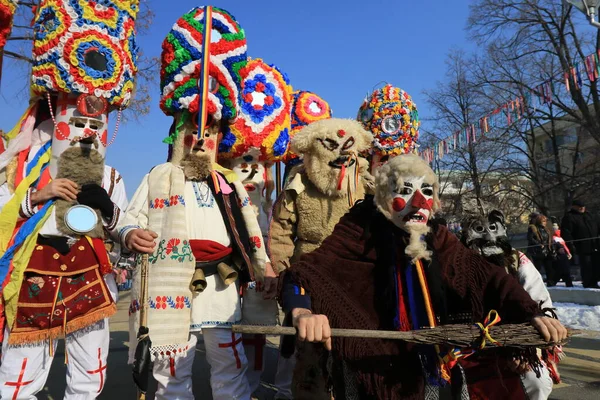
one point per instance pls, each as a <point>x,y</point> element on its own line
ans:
<point>81,219</point>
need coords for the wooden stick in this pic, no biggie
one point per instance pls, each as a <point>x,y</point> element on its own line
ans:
<point>511,335</point>
<point>144,291</point>
<point>278,182</point>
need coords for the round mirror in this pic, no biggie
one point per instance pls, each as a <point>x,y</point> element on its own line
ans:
<point>81,219</point>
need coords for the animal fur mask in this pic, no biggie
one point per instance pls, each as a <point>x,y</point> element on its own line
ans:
<point>486,234</point>
<point>330,150</point>
<point>406,193</point>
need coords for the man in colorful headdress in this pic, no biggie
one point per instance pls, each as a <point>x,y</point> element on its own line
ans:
<point>319,192</point>
<point>60,200</point>
<point>258,138</point>
<point>387,266</point>
<point>194,218</point>
<point>391,116</point>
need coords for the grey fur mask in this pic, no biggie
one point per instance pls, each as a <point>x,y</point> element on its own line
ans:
<point>486,234</point>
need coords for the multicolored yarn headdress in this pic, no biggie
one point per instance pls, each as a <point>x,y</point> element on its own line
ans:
<point>86,47</point>
<point>307,107</point>
<point>181,60</point>
<point>264,119</point>
<point>7,12</point>
<point>392,117</point>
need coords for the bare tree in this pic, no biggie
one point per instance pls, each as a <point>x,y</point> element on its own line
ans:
<point>471,168</point>
<point>544,33</point>
<point>529,45</point>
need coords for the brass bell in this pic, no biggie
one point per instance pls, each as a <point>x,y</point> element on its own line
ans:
<point>198,281</point>
<point>227,274</point>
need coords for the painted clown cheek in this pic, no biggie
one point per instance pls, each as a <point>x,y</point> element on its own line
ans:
<point>398,204</point>
<point>104,137</point>
<point>62,131</point>
<point>209,144</point>
<point>188,140</point>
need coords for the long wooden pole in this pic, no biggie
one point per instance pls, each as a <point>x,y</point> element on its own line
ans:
<point>144,306</point>
<point>512,335</point>
<point>278,183</point>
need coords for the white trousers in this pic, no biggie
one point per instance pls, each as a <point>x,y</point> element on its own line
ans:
<point>25,368</point>
<point>537,388</point>
<point>228,364</point>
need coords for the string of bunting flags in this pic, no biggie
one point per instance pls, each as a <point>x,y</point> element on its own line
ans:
<point>512,111</point>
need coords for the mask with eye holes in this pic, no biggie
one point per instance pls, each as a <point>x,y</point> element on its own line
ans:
<point>330,150</point>
<point>486,234</point>
<point>79,129</point>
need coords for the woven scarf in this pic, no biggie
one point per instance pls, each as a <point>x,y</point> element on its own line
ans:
<point>172,264</point>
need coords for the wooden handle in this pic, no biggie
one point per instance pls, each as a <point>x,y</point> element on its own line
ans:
<point>335,332</point>
<point>144,291</point>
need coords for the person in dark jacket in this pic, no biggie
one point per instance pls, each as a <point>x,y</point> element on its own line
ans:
<point>580,229</point>
<point>540,249</point>
<point>389,266</point>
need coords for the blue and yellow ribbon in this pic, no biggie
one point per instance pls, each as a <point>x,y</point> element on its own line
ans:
<point>492,319</point>
<point>204,72</point>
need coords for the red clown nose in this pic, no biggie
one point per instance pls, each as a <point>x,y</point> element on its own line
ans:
<point>419,201</point>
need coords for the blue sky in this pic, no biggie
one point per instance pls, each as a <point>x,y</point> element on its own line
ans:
<point>338,49</point>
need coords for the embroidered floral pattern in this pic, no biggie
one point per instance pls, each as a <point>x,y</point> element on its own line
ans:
<point>168,202</point>
<point>167,302</point>
<point>255,242</point>
<point>173,248</point>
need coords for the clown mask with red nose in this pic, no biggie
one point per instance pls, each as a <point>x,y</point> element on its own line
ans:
<point>412,203</point>
<point>406,193</point>
<point>79,122</point>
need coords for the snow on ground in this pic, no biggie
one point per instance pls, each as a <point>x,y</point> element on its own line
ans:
<point>578,316</point>
<point>577,285</point>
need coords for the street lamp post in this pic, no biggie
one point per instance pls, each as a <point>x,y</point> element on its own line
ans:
<point>588,7</point>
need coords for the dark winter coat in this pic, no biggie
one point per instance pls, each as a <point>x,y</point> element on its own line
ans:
<point>576,226</point>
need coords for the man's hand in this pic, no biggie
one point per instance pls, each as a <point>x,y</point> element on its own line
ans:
<point>61,188</point>
<point>551,329</point>
<point>141,241</point>
<point>312,328</point>
<point>271,280</point>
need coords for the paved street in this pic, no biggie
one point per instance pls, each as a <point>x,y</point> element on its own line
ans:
<point>580,370</point>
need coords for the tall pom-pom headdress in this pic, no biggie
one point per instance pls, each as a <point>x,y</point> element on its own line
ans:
<point>7,12</point>
<point>85,47</point>
<point>182,57</point>
<point>307,107</point>
<point>391,116</point>
<point>264,122</point>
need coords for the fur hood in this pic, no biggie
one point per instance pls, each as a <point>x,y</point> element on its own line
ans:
<point>330,151</point>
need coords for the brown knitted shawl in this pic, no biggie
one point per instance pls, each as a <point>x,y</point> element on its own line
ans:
<point>340,277</point>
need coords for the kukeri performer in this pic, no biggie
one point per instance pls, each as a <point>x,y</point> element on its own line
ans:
<point>386,267</point>
<point>486,233</point>
<point>55,272</point>
<point>307,108</point>
<point>391,115</point>
<point>258,138</point>
<point>316,196</point>
<point>194,218</point>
